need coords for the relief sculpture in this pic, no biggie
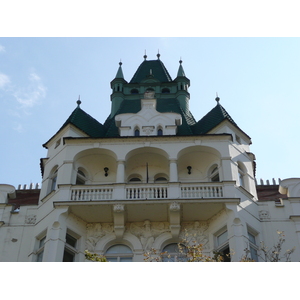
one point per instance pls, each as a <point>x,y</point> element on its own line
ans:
<point>95,231</point>
<point>147,231</point>
<point>195,231</point>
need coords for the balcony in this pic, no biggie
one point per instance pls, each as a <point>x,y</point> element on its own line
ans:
<point>147,191</point>
<point>196,201</point>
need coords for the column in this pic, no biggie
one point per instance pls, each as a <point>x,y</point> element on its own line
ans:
<point>121,171</point>
<point>173,170</point>
<point>56,234</point>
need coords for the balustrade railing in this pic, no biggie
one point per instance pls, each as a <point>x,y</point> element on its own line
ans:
<point>186,191</point>
<point>147,193</point>
<point>201,191</point>
<point>90,194</point>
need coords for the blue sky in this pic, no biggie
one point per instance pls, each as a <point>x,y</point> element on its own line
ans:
<point>257,80</point>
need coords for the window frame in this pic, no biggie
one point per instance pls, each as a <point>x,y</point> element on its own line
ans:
<point>70,249</point>
<point>40,246</point>
<point>119,255</point>
<point>222,247</point>
<point>253,247</point>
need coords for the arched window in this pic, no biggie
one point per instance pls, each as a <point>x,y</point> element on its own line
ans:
<point>136,132</point>
<point>53,179</point>
<point>81,178</point>
<point>159,131</point>
<point>214,173</point>
<point>135,179</point>
<point>161,179</point>
<point>173,253</point>
<point>134,91</point>
<point>241,175</point>
<point>119,253</point>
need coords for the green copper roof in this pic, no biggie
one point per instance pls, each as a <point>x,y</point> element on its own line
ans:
<point>212,119</point>
<point>158,71</point>
<point>85,123</point>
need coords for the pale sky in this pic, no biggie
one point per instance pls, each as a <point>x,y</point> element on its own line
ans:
<point>234,50</point>
<point>257,80</point>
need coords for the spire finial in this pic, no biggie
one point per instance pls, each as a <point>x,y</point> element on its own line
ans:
<point>120,63</point>
<point>158,55</point>
<point>145,56</point>
<point>180,60</point>
<point>217,98</point>
<point>78,101</point>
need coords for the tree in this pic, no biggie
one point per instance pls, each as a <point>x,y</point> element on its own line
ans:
<point>191,251</point>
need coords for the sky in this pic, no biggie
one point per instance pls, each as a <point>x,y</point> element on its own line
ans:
<point>41,78</point>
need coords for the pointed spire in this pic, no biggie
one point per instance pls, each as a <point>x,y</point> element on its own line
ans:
<point>120,72</point>
<point>180,72</point>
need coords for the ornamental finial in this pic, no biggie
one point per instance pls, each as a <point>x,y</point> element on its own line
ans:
<point>158,55</point>
<point>217,98</point>
<point>78,101</point>
<point>145,56</point>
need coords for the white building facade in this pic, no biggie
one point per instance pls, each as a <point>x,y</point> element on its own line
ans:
<point>145,177</point>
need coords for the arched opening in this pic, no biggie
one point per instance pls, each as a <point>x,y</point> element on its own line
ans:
<point>53,179</point>
<point>174,253</point>
<point>136,132</point>
<point>214,173</point>
<point>81,178</point>
<point>119,253</point>
<point>134,91</point>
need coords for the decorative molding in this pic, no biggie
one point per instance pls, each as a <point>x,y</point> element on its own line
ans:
<point>95,231</point>
<point>174,206</point>
<point>148,231</point>
<point>118,208</point>
<point>195,232</point>
<point>264,215</point>
<point>30,219</point>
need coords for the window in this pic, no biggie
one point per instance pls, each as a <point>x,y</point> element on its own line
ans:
<point>238,139</point>
<point>173,254</point>
<point>159,131</point>
<point>53,179</point>
<point>135,179</point>
<point>134,91</point>
<point>214,173</point>
<point>119,253</point>
<point>57,143</point>
<point>136,132</point>
<point>252,246</point>
<point>241,175</point>
<point>161,179</point>
<point>40,251</point>
<point>80,179</point>
<point>70,248</point>
<point>165,91</point>
<point>223,245</point>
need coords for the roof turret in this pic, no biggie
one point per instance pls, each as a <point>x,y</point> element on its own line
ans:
<point>180,72</point>
<point>154,67</point>
<point>119,74</point>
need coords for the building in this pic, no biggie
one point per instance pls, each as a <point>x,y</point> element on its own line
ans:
<point>142,179</point>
